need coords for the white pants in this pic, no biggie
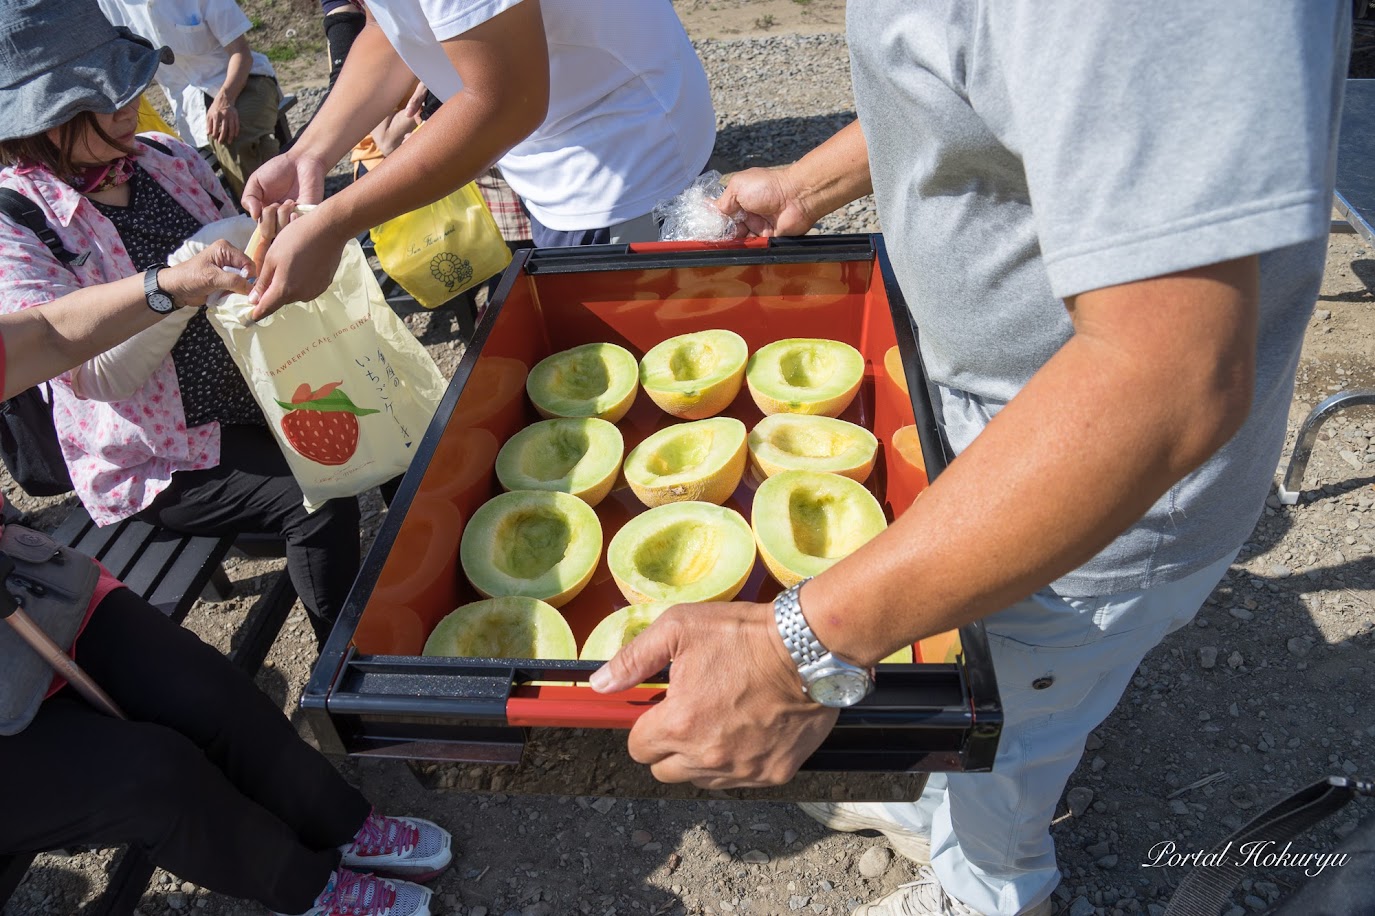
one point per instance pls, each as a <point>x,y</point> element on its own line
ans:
<point>1061,665</point>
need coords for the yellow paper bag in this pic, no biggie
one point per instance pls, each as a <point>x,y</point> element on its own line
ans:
<point>442,249</point>
<point>346,388</point>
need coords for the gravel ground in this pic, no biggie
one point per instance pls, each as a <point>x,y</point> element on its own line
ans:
<point>1267,692</point>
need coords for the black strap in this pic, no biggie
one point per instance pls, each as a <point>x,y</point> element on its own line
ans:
<point>1206,891</point>
<point>27,213</point>
<point>160,147</point>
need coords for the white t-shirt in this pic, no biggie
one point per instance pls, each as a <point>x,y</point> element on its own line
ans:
<point>197,32</point>
<point>630,118</point>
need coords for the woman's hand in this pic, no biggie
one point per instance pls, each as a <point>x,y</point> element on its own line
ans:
<point>290,176</point>
<point>192,281</point>
<point>769,200</point>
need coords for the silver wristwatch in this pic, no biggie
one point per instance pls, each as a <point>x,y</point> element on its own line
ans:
<point>828,680</point>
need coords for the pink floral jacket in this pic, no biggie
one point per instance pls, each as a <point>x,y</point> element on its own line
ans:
<point>121,454</point>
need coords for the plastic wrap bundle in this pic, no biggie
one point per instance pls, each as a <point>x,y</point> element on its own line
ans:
<point>692,215</point>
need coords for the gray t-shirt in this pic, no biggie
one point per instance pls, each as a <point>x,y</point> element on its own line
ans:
<point>1024,151</point>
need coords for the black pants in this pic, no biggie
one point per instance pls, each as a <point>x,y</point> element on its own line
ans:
<point>252,491</point>
<point>208,776</point>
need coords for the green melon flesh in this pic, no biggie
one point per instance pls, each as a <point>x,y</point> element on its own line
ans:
<point>620,627</point>
<point>805,375</point>
<point>695,376</point>
<point>536,543</point>
<point>570,455</point>
<point>594,380</point>
<point>805,521</point>
<point>503,628</point>
<point>701,460</point>
<point>682,552</point>
<point>806,443</point>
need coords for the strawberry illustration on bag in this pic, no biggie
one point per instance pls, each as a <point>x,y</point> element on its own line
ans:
<point>322,425</point>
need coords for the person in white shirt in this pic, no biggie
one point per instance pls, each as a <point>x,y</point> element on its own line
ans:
<point>595,109</point>
<point>223,94</point>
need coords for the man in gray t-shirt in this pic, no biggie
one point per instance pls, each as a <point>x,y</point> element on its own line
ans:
<point>1109,221</point>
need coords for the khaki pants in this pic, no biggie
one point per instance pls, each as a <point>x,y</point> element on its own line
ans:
<point>257,139</point>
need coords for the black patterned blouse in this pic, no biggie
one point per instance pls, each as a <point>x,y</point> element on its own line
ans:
<point>152,226</point>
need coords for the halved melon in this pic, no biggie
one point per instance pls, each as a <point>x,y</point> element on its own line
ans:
<point>794,442</point>
<point>682,552</point>
<point>804,521</point>
<point>594,380</point>
<point>807,375</point>
<point>903,656</point>
<point>618,628</point>
<point>533,543</point>
<point>512,627</point>
<point>695,376</point>
<point>578,455</point>
<point>892,364</point>
<point>702,460</point>
<point>943,647</point>
<point>907,445</point>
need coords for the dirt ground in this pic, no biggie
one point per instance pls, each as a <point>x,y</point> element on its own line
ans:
<point>290,34</point>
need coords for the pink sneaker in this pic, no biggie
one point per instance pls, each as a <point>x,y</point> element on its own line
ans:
<point>407,847</point>
<point>351,894</point>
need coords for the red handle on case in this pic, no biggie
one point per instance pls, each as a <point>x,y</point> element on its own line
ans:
<point>579,707</point>
<point>661,247</point>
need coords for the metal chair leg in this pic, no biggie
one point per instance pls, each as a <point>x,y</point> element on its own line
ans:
<point>1308,435</point>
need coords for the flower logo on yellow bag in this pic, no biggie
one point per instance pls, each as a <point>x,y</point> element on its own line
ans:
<point>451,270</point>
<point>322,425</point>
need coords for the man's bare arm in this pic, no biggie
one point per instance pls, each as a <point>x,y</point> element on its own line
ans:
<point>1157,377</point>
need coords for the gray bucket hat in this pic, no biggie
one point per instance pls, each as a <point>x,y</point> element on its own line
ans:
<point>62,57</point>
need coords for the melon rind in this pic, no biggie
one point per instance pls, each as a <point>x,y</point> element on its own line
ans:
<point>511,627</point>
<point>577,455</point>
<point>682,552</point>
<point>533,543</point>
<point>805,521</point>
<point>695,376</point>
<point>805,375</point>
<point>594,380</point>
<point>702,461</point>
<point>794,442</point>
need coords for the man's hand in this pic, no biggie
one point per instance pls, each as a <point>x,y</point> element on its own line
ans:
<point>735,714</point>
<point>289,176</point>
<point>298,266</point>
<point>769,200</point>
<point>222,120</point>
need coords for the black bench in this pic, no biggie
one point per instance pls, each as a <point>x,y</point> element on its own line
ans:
<point>171,571</point>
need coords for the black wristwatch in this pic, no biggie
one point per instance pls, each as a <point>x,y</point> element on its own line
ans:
<point>158,300</point>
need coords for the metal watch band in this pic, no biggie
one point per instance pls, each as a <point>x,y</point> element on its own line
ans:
<point>798,637</point>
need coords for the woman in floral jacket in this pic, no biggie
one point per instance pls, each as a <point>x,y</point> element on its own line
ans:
<point>176,437</point>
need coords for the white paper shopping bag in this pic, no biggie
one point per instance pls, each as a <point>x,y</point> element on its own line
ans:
<point>346,388</point>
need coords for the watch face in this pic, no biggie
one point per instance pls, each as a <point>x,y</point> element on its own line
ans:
<point>161,302</point>
<point>839,688</point>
